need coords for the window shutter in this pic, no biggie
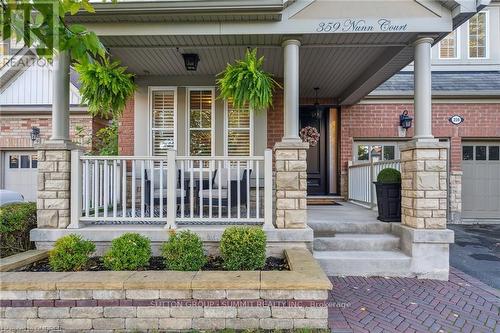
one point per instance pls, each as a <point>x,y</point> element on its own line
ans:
<point>163,121</point>
<point>239,134</point>
<point>200,122</point>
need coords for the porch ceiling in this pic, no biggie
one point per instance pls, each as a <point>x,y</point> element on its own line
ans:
<point>337,63</point>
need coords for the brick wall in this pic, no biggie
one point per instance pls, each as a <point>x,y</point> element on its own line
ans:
<point>382,120</point>
<point>275,126</point>
<point>16,129</point>
<point>126,130</point>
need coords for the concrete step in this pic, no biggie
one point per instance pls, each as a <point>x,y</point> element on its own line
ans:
<point>357,242</point>
<point>326,229</point>
<point>364,263</point>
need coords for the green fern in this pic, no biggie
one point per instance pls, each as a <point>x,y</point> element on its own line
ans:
<point>105,87</point>
<point>246,83</point>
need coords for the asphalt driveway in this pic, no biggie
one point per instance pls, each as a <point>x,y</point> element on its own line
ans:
<point>476,251</point>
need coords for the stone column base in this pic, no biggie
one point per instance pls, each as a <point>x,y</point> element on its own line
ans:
<point>428,249</point>
<point>291,184</point>
<point>424,184</point>
<point>54,184</point>
<point>455,197</point>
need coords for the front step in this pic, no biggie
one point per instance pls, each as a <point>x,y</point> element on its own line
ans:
<point>364,263</point>
<point>357,242</point>
<point>328,229</point>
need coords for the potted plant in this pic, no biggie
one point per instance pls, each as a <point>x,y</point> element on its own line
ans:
<point>388,188</point>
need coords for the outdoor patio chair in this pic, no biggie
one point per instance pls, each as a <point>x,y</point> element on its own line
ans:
<point>156,190</point>
<point>223,185</point>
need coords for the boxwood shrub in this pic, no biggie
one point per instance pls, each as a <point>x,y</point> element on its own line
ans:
<point>128,252</point>
<point>184,252</point>
<point>16,221</point>
<point>388,176</point>
<point>243,248</point>
<point>70,253</point>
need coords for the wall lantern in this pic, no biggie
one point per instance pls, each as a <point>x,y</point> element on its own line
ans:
<point>191,61</point>
<point>35,134</point>
<point>405,120</point>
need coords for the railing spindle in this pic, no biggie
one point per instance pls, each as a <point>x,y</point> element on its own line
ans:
<point>143,187</point>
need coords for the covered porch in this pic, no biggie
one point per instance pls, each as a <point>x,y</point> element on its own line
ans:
<point>189,159</point>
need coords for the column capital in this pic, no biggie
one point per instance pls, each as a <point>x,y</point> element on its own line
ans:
<point>291,41</point>
<point>421,40</point>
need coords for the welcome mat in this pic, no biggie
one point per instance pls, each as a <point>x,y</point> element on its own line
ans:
<point>322,201</point>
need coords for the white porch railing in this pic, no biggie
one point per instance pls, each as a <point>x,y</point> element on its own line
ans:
<point>171,190</point>
<point>361,177</point>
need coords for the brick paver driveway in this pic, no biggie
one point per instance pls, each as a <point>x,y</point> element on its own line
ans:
<point>463,304</point>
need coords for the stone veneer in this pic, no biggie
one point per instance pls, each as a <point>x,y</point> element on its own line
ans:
<point>54,185</point>
<point>424,184</point>
<point>291,184</point>
<point>455,197</point>
<point>167,300</point>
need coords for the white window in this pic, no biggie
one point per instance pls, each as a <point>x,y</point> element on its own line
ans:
<point>201,121</point>
<point>449,46</point>
<point>163,105</point>
<point>238,136</point>
<point>23,161</point>
<point>375,151</point>
<point>478,36</point>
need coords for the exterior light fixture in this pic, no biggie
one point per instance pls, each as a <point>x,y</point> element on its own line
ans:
<point>35,135</point>
<point>191,61</point>
<point>316,104</point>
<point>405,120</point>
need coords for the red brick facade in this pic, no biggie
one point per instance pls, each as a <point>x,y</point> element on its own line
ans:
<point>16,129</point>
<point>126,130</point>
<point>374,121</point>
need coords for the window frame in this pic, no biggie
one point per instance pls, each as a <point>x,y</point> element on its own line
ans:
<point>355,144</point>
<point>188,119</point>
<point>457,45</point>
<point>19,157</point>
<point>486,37</point>
<point>151,89</point>
<point>226,129</point>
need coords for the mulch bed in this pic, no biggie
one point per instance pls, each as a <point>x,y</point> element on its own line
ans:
<point>157,264</point>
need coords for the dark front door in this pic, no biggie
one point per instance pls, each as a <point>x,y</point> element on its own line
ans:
<point>317,182</point>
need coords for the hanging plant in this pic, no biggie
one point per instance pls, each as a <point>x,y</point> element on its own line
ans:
<point>105,87</point>
<point>246,83</point>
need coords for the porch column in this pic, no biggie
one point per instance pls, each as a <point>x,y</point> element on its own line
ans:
<point>423,89</point>
<point>291,89</point>
<point>60,93</point>
<point>424,183</point>
<point>54,155</point>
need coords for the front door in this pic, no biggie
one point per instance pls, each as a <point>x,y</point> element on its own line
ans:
<point>317,179</point>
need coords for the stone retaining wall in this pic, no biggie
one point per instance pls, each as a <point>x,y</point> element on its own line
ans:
<point>167,300</point>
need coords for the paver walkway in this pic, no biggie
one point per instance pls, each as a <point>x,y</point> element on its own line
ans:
<point>463,304</point>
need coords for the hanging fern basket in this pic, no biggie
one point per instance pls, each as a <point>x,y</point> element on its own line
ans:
<point>105,87</point>
<point>246,83</point>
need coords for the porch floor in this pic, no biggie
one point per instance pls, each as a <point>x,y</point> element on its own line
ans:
<point>343,212</point>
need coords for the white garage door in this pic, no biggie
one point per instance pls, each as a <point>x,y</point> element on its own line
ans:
<point>481,180</point>
<point>21,173</point>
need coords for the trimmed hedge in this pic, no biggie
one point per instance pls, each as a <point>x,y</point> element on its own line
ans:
<point>70,253</point>
<point>184,251</point>
<point>16,221</point>
<point>243,248</point>
<point>389,176</point>
<point>129,252</point>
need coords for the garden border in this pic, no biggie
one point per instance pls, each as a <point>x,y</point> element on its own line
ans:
<point>168,299</point>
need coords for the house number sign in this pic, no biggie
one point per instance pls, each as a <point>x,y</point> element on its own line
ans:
<point>352,25</point>
<point>456,119</point>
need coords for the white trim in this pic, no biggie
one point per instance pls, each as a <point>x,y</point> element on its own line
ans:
<point>188,120</point>
<point>457,45</point>
<point>226,129</point>
<point>486,37</point>
<point>150,115</point>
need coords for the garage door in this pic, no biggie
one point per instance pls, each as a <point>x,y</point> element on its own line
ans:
<point>21,173</point>
<point>481,180</point>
